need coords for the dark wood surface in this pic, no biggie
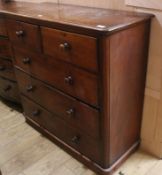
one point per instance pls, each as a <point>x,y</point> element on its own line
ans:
<point>7,69</point>
<point>77,49</point>
<point>5,48</point>
<point>8,86</point>
<point>3,31</point>
<point>9,90</point>
<point>94,19</point>
<point>74,112</point>
<point>88,59</point>
<point>127,87</point>
<point>23,34</point>
<point>74,81</point>
<point>58,127</point>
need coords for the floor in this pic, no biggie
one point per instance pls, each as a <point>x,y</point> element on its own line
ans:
<point>23,151</point>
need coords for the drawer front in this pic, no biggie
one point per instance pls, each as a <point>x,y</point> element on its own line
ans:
<point>24,35</point>
<point>3,31</point>
<point>74,112</point>
<point>9,90</point>
<point>73,81</point>
<point>6,69</point>
<point>5,48</point>
<point>74,48</point>
<point>59,128</point>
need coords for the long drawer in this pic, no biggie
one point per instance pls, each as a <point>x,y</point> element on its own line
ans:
<point>72,111</point>
<point>77,49</point>
<point>59,128</point>
<point>76,82</point>
<point>9,90</point>
<point>6,69</point>
<point>5,48</point>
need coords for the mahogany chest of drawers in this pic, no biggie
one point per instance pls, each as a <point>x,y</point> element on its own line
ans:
<point>8,85</point>
<point>81,73</point>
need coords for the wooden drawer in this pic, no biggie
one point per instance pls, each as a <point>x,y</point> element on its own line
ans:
<point>24,35</point>
<point>74,112</point>
<point>65,77</point>
<point>59,128</point>
<point>9,90</point>
<point>74,48</point>
<point>3,31</point>
<point>5,48</point>
<point>6,69</point>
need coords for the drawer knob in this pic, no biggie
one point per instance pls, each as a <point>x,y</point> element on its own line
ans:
<point>75,140</point>
<point>69,80</point>
<point>7,88</point>
<point>20,33</point>
<point>36,113</point>
<point>29,88</point>
<point>71,112</point>
<point>2,68</point>
<point>65,46</point>
<point>26,60</point>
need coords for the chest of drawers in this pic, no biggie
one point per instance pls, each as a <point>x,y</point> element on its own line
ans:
<point>81,73</point>
<point>8,84</point>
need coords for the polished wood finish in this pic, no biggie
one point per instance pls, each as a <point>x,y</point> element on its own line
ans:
<point>127,89</point>
<point>21,33</point>
<point>87,20</point>
<point>74,81</point>
<point>6,69</point>
<point>124,88</point>
<point>86,63</point>
<point>71,110</point>
<point>70,135</point>
<point>5,48</point>
<point>77,49</point>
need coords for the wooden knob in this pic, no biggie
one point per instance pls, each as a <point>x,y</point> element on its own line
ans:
<point>69,80</point>
<point>65,46</point>
<point>29,88</point>
<point>36,113</point>
<point>2,68</point>
<point>7,88</point>
<point>20,33</point>
<point>71,112</point>
<point>75,140</point>
<point>26,60</point>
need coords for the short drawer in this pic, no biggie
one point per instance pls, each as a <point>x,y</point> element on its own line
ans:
<point>77,114</point>
<point>74,48</point>
<point>76,82</point>
<point>23,34</point>
<point>59,128</point>
<point>3,31</point>
<point>5,48</point>
<point>9,90</point>
<point>6,69</point>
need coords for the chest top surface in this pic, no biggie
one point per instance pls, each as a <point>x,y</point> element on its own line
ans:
<point>102,20</point>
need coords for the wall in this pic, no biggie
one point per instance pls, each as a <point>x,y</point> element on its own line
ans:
<point>152,118</point>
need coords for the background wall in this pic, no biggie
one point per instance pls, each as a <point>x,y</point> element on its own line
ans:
<point>152,118</point>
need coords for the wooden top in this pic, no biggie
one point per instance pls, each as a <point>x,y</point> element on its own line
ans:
<point>100,20</point>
